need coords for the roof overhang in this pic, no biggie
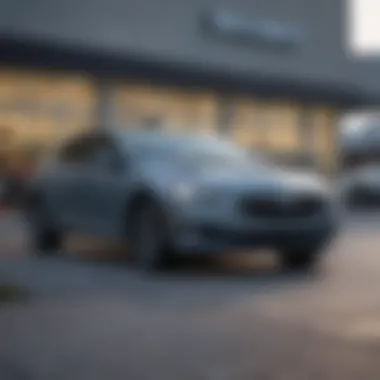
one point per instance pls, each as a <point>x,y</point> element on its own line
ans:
<point>23,51</point>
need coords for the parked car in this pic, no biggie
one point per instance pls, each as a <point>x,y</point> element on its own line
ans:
<point>171,196</point>
<point>361,187</point>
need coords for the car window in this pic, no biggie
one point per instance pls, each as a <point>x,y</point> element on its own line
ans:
<point>76,151</point>
<point>85,149</point>
<point>102,154</point>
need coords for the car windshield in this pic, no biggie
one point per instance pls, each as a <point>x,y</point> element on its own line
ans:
<point>205,151</point>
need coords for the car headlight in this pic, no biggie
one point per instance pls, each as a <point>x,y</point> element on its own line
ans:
<point>182,192</point>
<point>186,193</point>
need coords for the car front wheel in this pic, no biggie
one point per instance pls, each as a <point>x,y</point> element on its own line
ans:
<point>46,240</point>
<point>299,259</point>
<point>150,246</point>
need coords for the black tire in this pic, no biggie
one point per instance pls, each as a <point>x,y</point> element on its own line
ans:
<point>299,259</point>
<point>46,243</point>
<point>46,239</point>
<point>150,238</point>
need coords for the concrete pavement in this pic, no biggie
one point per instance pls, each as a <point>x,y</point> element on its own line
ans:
<point>243,321</point>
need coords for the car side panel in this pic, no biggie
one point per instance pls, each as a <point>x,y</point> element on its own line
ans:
<point>57,188</point>
<point>103,205</point>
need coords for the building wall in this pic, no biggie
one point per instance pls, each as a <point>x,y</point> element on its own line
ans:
<point>367,73</point>
<point>170,30</point>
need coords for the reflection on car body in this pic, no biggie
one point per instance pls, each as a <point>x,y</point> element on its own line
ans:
<point>178,195</point>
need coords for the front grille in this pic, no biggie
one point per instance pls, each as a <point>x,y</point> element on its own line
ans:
<point>299,207</point>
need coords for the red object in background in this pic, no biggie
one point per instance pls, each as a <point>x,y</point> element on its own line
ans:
<point>23,173</point>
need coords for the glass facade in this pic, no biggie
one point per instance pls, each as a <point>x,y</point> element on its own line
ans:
<point>267,125</point>
<point>38,109</point>
<point>142,105</point>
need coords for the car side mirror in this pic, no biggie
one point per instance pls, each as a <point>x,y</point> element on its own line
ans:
<point>117,165</point>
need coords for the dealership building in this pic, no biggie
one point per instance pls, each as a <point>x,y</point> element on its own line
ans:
<point>272,75</point>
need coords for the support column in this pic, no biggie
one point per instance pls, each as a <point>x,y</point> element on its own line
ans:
<point>106,116</point>
<point>226,116</point>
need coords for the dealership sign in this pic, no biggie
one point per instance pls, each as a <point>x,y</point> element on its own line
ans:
<point>240,29</point>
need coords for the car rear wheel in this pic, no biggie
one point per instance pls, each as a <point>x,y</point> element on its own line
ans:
<point>46,242</point>
<point>150,243</point>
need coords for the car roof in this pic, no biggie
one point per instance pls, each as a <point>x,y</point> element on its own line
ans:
<point>129,137</point>
<point>154,134</point>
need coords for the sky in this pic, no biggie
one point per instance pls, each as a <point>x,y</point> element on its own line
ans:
<point>364,27</point>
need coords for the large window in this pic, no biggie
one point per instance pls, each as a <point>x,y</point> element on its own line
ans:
<point>171,108</point>
<point>40,108</point>
<point>300,135</point>
<point>267,125</point>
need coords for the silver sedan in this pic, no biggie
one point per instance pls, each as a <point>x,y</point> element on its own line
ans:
<point>172,196</point>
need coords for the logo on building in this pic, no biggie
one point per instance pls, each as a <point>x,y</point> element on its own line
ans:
<point>240,29</point>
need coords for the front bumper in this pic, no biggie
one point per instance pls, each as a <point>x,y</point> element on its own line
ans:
<point>221,224</point>
<point>217,237</point>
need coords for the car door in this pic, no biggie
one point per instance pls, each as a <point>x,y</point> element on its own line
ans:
<point>72,190</point>
<point>105,184</point>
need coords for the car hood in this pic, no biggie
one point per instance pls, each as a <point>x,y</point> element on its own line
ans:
<point>229,178</point>
<point>261,179</point>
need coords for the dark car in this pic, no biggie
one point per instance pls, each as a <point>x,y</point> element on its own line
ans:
<point>361,187</point>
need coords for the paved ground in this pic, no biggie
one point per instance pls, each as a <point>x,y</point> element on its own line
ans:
<point>234,320</point>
